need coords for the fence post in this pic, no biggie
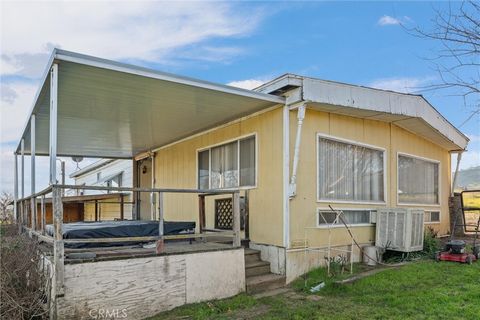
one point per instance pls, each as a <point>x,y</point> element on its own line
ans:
<point>236,219</point>
<point>58,248</point>
<point>42,213</point>
<point>33,213</point>
<point>20,216</point>
<point>201,212</point>
<point>160,243</point>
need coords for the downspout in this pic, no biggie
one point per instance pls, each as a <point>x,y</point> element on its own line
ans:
<point>296,154</point>
<point>459,158</point>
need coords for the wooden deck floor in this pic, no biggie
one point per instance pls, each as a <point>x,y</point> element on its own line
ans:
<point>126,252</point>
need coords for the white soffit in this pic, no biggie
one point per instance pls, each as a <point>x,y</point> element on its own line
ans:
<point>411,112</point>
<point>108,109</point>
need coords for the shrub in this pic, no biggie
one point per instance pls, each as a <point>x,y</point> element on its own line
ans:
<point>24,286</point>
<point>430,241</point>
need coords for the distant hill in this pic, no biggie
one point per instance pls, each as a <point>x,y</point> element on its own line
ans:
<point>468,178</point>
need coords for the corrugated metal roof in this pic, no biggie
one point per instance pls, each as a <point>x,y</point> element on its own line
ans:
<point>113,110</point>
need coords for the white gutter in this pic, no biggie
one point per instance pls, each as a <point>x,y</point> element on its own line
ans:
<point>296,154</point>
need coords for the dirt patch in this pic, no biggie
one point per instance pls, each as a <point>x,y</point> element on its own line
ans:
<point>251,313</point>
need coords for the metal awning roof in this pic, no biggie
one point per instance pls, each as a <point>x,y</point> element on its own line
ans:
<point>109,109</point>
<point>408,111</point>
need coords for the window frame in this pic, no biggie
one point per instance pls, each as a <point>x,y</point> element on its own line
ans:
<point>119,175</point>
<point>430,215</point>
<point>328,226</point>
<point>224,142</point>
<point>384,202</point>
<point>436,205</point>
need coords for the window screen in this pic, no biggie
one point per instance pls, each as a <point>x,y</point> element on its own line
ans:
<point>203,169</point>
<point>228,166</point>
<point>247,162</point>
<point>349,172</point>
<point>350,216</point>
<point>432,216</point>
<point>417,180</point>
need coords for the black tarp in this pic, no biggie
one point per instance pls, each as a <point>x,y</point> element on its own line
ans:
<point>118,229</point>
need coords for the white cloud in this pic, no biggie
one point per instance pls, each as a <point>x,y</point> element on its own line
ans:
<point>474,137</point>
<point>402,84</point>
<point>387,20</point>
<point>135,31</point>
<point>16,101</point>
<point>131,30</point>
<point>247,84</point>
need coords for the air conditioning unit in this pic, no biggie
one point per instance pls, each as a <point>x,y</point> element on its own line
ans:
<point>399,229</point>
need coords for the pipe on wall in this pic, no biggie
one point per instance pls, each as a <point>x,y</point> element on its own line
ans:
<point>296,152</point>
<point>454,181</point>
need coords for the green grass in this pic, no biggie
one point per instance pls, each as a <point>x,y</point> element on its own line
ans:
<point>422,290</point>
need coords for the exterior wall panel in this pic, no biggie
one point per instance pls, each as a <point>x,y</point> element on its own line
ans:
<point>384,135</point>
<point>176,167</point>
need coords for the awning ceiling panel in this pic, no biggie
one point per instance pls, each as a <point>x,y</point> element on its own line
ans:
<point>113,114</point>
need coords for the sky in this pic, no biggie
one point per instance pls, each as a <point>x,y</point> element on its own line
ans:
<point>237,43</point>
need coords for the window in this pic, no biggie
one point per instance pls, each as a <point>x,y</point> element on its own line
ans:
<point>99,176</point>
<point>349,172</point>
<point>227,166</point>
<point>351,217</point>
<point>432,216</point>
<point>417,180</point>
<point>115,181</point>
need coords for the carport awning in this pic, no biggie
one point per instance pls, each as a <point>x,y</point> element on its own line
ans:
<point>112,110</point>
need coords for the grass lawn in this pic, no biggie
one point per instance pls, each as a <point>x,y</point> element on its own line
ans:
<point>421,290</point>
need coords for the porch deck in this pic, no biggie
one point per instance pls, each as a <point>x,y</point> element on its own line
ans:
<point>138,251</point>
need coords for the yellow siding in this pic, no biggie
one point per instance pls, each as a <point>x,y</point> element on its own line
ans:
<point>176,167</point>
<point>109,209</point>
<point>390,137</point>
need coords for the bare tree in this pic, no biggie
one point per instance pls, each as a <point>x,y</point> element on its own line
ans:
<point>6,206</point>
<point>458,60</point>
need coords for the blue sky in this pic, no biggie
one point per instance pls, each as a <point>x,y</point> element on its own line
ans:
<point>240,43</point>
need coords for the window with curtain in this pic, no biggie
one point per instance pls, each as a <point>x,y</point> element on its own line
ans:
<point>227,166</point>
<point>349,172</point>
<point>417,180</point>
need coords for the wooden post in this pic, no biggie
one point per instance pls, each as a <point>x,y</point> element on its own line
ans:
<point>201,212</point>
<point>96,210</point>
<point>33,211</point>
<point>42,213</point>
<point>160,243</point>
<point>246,216</point>
<point>153,210</point>
<point>58,245</point>
<point>236,219</point>
<point>122,212</point>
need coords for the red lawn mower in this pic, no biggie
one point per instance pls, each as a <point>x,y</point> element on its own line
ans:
<point>455,250</point>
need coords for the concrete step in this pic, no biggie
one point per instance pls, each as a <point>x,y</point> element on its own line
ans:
<point>256,268</point>
<point>262,283</point>
<point>251,255</point>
